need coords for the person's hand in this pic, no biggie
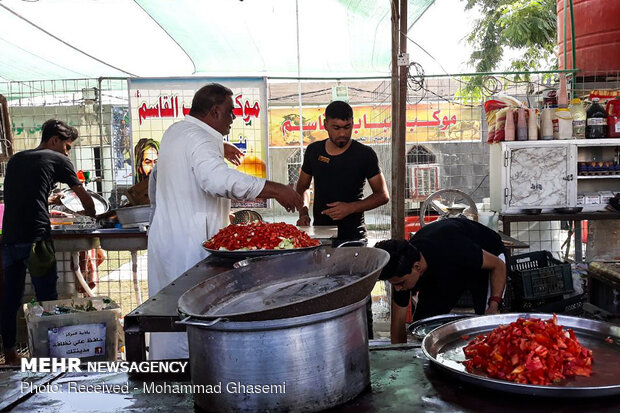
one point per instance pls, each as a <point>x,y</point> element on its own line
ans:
<point>337,210</point>
<point>289,198</point>
<point>493,308</point>
<point>55,199</point>
<point>232,154</point>
<point>303,221</point>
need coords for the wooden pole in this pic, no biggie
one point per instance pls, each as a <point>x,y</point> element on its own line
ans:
<point>395,86</point>
<point>399,107</point>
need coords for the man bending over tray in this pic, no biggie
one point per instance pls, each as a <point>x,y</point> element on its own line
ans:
<point>439,263</point>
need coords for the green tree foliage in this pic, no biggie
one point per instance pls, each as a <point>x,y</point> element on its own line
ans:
<point>528,26</point>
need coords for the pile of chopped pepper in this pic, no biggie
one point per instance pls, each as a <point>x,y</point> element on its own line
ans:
<point>260,235</point>
<point>529,351</point>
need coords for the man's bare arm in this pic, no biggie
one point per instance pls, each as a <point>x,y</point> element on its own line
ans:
<point>398,332</point>
<point>86,199</point>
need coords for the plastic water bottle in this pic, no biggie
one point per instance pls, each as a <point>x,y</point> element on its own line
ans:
<point>596,121</point>
<point>521,125</point>
<point>532,126</point>
<point>37,310</point>
<point>579,118</point>
<point>546,124</point>
<point>564,122</point>
<point>509,128</point>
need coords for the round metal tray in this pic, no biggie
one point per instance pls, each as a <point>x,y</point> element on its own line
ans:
<point>71,201</point>
<point>419,329</point>
<point>241,254</point>
<point>444,348</point>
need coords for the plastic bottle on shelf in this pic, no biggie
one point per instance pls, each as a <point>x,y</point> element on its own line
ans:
<point>532,125</point>
<point>509,127</point>
<point>521,125</point>
<point>578,111</point>
<point>546,124</point>
<point>613,118</point>
<point>564,122</point>
<point>596,121</point>
<point>562,93</point>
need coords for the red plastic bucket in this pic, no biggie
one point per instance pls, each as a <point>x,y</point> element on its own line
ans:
<point>613,118</point>
<point>412,224</point>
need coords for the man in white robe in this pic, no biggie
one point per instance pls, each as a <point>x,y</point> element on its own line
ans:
<point>194,188</point>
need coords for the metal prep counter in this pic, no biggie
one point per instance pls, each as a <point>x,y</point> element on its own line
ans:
<point>159,313</point>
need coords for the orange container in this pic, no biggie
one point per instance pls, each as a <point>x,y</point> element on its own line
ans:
<point>412,224</point>
<point>613,118</point>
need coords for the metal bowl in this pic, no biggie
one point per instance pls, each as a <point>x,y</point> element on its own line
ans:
<point>134,216</point>
<point>568,210</point>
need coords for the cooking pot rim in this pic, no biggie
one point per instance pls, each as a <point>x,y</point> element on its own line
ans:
<point>227,325</point>
<point>382,260</point>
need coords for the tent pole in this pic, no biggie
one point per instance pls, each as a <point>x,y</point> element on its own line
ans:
<point>399,100</point>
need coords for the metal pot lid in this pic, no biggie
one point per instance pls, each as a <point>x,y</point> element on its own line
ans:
<point>288,285</point>
<point>71,201</point>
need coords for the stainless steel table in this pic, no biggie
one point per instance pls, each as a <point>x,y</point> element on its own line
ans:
<point>159,313</point>
<point>576,218</point>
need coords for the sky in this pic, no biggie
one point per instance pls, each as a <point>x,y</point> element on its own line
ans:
<point>441,31</point>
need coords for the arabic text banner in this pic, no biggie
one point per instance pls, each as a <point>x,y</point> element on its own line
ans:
<point>430,122</point>
<point>156,104</point>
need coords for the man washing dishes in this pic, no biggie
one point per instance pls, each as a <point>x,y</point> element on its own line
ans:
<point>27,238</point>
<point>439,263</point>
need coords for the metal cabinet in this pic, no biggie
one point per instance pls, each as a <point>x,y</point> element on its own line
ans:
<point>544,174</point>
<point>537,174</point>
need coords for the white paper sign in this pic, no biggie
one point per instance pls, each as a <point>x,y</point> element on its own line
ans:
<point>82,340</point>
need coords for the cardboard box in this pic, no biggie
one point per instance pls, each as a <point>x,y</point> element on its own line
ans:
<point>88,335</point>
<point>592,198</point>
<point>605,196</point>
<point>581,199</point>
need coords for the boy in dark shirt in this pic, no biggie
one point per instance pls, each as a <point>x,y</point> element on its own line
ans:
<point>26,230</point>
<point>340,167</point>
<point>440,262</point>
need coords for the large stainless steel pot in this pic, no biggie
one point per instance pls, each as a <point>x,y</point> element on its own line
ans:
<point>308,363</point>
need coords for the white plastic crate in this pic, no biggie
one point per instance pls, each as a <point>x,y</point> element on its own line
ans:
<point>88,335</point>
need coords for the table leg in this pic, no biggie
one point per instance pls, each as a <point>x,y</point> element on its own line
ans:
<point>135,346</point>
<point>578,245</point>
<point>505,226</point>
<point>134,271</point>
<point>75,267</point>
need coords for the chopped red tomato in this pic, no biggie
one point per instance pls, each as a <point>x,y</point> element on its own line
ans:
<point>529,351</point>
<point>260,235</point>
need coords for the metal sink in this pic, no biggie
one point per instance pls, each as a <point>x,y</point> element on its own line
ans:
<point>124,244</point>
<point>75,244</point>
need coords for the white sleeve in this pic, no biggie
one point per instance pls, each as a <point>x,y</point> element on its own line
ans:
<point>217,178</point>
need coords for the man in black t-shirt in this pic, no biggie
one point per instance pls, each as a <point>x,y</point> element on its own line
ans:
<point>26,232</point>
<point>440,262</point>
<point>340,167</point>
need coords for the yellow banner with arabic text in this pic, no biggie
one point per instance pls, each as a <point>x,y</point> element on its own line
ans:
<point>429,122</point>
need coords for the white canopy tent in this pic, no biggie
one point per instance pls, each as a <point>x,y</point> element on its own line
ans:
<point>69,39</point>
